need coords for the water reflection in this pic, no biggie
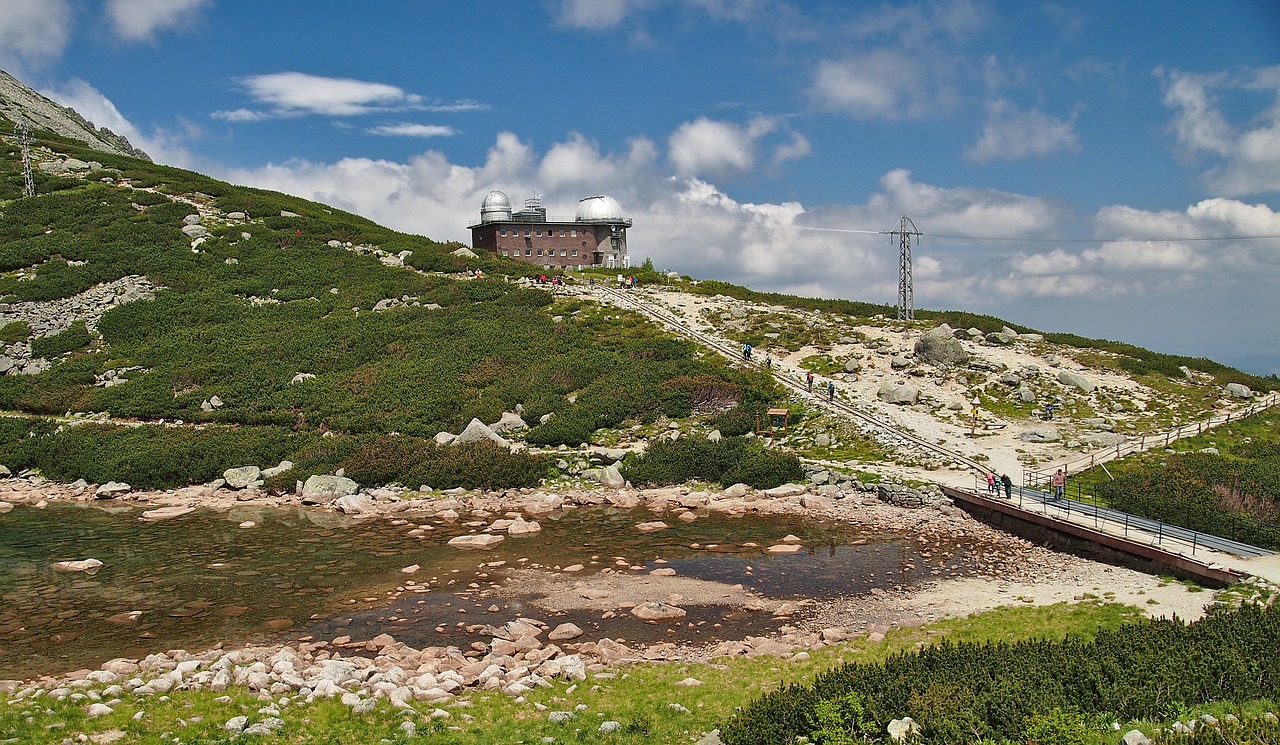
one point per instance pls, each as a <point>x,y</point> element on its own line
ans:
<point>199,579</point>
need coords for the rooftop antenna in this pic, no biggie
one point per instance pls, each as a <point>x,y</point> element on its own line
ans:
<point>28,181</point>
<point>534,202</point>
<point>906,301</point>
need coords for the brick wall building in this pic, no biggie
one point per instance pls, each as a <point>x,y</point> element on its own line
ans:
<point>595,236</point>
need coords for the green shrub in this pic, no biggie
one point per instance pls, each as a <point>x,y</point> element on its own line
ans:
<point>730,460</point>
<point>74,337</point>
<point>1032,691</point>
<point>15,331</point>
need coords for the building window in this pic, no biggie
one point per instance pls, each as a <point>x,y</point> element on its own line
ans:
<point>528,252</point>
<point>539,231</point>
<point>528,231</point>
<point>502,232</point>
<point>564,252</point>
<point>575,252</point>
<point>561,232</point>
<point>573,234</point>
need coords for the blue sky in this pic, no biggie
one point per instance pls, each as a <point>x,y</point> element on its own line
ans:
<point>1109,146</point>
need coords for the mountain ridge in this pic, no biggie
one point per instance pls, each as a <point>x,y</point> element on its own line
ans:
<point>21,104</point>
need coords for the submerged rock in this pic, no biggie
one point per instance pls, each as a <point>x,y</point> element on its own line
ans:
<point>83,565</point>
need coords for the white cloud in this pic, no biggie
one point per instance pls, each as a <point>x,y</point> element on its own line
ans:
<point>140,20</point>
<point>1246,157</point>
<point>709,147</point>
<point>883,84</point>
<point>1013,134</point>
<point>298,93</point>
<point>33,33</point>
<point>410,129</point>
<point>163,146</point>
<point>596,14</point>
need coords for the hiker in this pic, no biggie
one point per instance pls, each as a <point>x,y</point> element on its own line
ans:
<point>768,361</point>
<point>831,391</point>
<point>991,484</point>
<point>808,379</point>
<point>1008,485</point>
<point>746,351</point>
<point>1059,484</point>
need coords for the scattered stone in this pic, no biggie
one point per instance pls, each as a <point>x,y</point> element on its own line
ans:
<point>657,611</point>
<point>323,489</point>
<point>1075,380</point>
<point>650,527</point>
<point>476,541</point>
<point>83,565</point>
<point>164,513</point>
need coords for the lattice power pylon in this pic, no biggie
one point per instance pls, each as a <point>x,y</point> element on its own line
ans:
<point>28,181</point>
<point>906,300</point>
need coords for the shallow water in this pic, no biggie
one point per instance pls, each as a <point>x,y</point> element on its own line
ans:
<point>197,580</point>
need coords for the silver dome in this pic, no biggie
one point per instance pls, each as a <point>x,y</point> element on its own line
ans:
<point>496,207</point>
<point>599,208</point>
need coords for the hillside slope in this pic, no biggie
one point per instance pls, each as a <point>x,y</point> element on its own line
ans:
<point>20,104</point>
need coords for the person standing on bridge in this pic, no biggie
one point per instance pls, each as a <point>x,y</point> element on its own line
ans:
<point>808,379</point>
<point>991,484</point>
<point>1007,483</point>
<point>1059,484</point>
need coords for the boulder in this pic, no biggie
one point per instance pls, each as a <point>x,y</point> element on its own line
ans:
<point>83,565</point>
<point>112,489</point>
<point>611,477</point>
<point>940,347</point>
<point>242,477</point>
<point>479,541</point>
<point>1076,380</point>
<point>736,491</point>
<point>787,490</point>
<point>903,730</point>
<point>164,513</point>
<point>353,504</point>
<point>478,431</point>
<point>901,394</point>
<point>564,632</point>
<point>657,611</point>
<point>509,422</point>
<point>1026,395</point>
<point>323,489</point>
<point>520,526</point>
<point>1041,434</point>
<point>1237,390</point>
<point>195,231</point>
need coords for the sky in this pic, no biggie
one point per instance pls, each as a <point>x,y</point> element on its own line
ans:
<point>1110,169</point>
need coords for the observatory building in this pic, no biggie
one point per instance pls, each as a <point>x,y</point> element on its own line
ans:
<point>595,236</point>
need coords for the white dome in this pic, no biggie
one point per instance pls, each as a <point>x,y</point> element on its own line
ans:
<point>496,206</point>
<point>599,208</point>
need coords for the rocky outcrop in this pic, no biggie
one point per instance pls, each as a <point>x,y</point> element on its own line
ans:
<point>1237,390</point>
<point>20,104</point>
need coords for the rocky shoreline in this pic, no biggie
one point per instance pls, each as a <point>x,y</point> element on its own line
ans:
<point>524,651</point>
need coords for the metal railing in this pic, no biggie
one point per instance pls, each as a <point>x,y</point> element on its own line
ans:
<point>1085,509</point>
<point>1146,442</point>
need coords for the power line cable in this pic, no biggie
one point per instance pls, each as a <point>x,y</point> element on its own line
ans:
<point>956,236</point>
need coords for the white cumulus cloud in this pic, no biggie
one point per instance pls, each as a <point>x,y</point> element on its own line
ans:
<point>140,20</point>
<point>707,147</point>
<point>33,33</point>
<point>1245,156</point>
<point>298,93</point>
<point>1013,134</point>
<point>410,129</point>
